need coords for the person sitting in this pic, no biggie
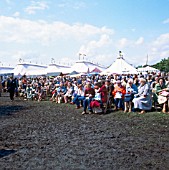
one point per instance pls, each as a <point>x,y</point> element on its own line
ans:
<point>40,92</point>
<point>161,93</point>
<point>69,92</point>
<point>118,93</point>
<point>89,95</point>
<point>131,89</point>
<point>100,97</point>
<point>54,92</point>
<point>79,96</point>
<point>29,92</point>
<point>61,91</point>
<point>96,103</point>
<point>142,100</point>
<point>75,87</point>
<point>44,91</point>
<point>155,81</point>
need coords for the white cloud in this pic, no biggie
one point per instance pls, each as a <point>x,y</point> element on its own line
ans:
<point>159,48</point>
<point>140,41</point>
<point>41,40</point>
<point>30,37</point>
<point>92,46</point>
<point>162,40</point>
<point>123,42</point>
<point>72,4</point>
<point>166,21</point>
<point>79,5</point>
<point>98,50</point>
<point>23,31</point>
<point>35,6</point>
<point>16,14</point>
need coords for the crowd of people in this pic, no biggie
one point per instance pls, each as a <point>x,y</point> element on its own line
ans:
<point>95,94</point>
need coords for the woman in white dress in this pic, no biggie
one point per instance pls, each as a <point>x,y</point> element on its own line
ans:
<point>142,99</point>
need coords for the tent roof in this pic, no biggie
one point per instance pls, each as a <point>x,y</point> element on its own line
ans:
<point>52,68</point>
<point>120,66</point>
<point>147,68</point>
<point>6,70</point>
<point>96,70</point>
<point>83,66</point>
<point>29,69</point>
<point>54,74</point>
<point>73,72</point>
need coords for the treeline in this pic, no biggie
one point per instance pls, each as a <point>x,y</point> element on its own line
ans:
<point>163,65</point>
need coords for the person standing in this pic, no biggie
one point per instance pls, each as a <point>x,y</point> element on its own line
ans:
<point>11,88</point>
<point>0,87</point>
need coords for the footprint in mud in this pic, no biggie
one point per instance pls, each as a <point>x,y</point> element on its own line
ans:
<point>6,152</point>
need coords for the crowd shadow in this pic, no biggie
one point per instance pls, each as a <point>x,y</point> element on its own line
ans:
<point>10,110</point>
<point>6,152</point>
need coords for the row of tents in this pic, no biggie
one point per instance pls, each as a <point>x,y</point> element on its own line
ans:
<point>120,66</point>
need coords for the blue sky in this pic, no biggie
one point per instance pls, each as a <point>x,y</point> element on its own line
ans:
<point>38,30</point>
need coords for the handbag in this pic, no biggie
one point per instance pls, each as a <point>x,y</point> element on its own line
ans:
<point>128,97</point>
<point>162,99</point>
<point>164,93</point>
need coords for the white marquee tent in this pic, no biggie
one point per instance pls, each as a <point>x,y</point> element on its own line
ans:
<point>147,68</point>
<point>120,66</point>
<point>29,69</point>
<point>83,66</point>
<point>6,70</point>
<point>53,68</point>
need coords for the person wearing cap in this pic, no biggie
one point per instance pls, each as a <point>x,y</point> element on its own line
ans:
<point>142,99</point>
<point>118,94</point>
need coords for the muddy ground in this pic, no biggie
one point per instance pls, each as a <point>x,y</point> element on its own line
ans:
<point>45,135</point>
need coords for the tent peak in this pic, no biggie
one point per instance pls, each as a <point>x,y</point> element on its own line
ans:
<point>120,55</point>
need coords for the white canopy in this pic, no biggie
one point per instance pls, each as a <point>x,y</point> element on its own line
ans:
<point>83,66</point>
<point>29,69</point>
<point>120,66</point>
<point>147,68</point>
<point>52,68</point>
<point>6,70</point>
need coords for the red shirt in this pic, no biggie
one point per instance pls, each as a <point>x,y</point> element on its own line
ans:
<point>89,91</point>
<point>103,91</point>
<point>120,89</point>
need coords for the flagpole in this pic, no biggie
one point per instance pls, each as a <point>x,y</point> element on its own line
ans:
<point>147,60</point>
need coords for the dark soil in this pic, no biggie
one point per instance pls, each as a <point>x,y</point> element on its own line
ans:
<point>45,135</point>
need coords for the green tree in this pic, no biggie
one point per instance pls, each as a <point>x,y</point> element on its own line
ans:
<point>163,65</point>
